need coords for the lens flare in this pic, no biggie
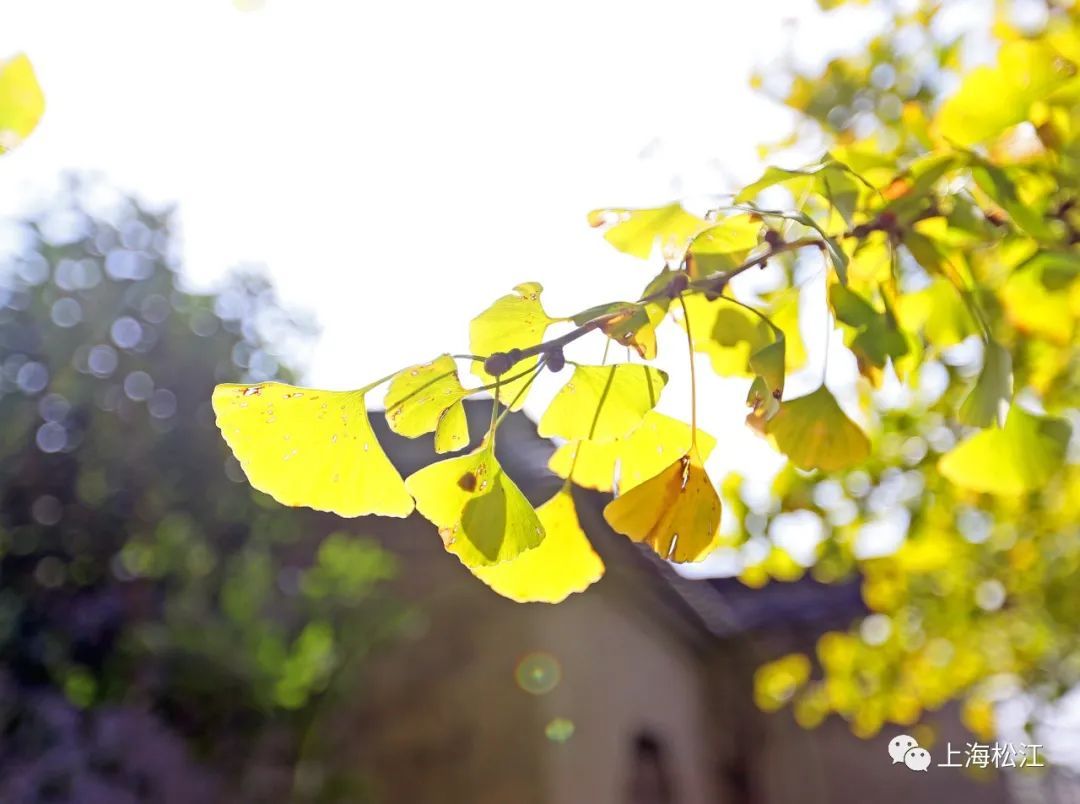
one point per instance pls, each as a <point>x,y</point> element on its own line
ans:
<point>538,673</point>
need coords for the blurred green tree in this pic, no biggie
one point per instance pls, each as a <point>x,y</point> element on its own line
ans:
<point>137,569</point>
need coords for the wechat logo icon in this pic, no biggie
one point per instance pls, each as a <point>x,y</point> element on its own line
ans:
<point>905,748</point>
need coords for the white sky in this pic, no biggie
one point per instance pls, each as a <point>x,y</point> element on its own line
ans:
<point>398,166</point>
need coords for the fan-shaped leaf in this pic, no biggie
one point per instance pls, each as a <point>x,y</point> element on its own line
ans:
<point>303,446</point>
<point>452,432</point>
<point>873,336</point>
<point>565,562</point>
<point>938,312</point>
<point>833,181</point>
<point>515,321</point>
<point>636,231</point>
<point>767,389</point>
<point>676,513</point>
<point>815,433</point>
<point>21,101</point>
<point>1039,301</point>
<point>1020,457</point>
<point>637,457</point>
<point>482,516</point>
<point>600,403</point>
<point>628,324</point>
<point>1026,72</point>
<point>727,333</point>
<point>994,385</point>
<point>724,245</point>
<point>427,397</point>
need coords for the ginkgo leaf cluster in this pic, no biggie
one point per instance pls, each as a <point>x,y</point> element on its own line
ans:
<point>949,249</point>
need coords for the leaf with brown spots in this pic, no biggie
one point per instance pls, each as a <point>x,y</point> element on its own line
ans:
<point>306,447</point>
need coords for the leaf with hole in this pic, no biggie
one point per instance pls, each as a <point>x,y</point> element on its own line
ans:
<point>482,516</point>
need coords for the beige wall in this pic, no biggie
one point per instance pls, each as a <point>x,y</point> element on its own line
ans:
<point>446,722</point>
<point>450,724</point>
<point>622,673</point>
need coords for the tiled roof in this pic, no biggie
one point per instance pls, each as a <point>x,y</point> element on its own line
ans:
<point>723,606</point>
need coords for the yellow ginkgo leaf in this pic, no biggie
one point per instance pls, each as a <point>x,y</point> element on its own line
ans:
<point>306,447</point>
<point>727,333</point>
<point>515,321</point>
<point>1020,457</point>
<point>628,324</point>
<point>452,432</point>
<point>428,397</point>
<point>564,563</point>
<point>600,403</point>
<point>938,312</point>
<point>637,331</point>
<point>723,246</point>
<point>482,516</point>
<point>1026,72</point>
<point>637,457</point>
<point>730,333</point>
<point>1034,307</point>
<point>832,180</point>
<point>815,433</point>
<point>783,312</point>
<point>994,385</point>
<point>636,231</point>
<point>21,101</point>
<point>676,513</point>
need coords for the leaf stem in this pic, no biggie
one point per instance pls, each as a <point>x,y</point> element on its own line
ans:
<point>524,387</point>
<point>592,429</point>
<point>714,284</point>
<point>693,375</point>
<point>500,381</point>
<point>373,385</point>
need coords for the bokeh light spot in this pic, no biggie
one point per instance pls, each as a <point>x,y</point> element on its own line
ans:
<point>155,308</point>
<point>32,378</point>
<point>46,510</point>
<point>66,312</point>
<point>138,386</point>
<point>51,437</point>
<point>559,730</point>
<point>53,407</point>
<point>538,673</point>
<point>102,360</point>
<point>126,332</point>
<point>163,404</point>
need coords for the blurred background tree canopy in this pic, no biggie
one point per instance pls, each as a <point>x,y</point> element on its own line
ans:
<point>973,589</point>
<point>154,609</point>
